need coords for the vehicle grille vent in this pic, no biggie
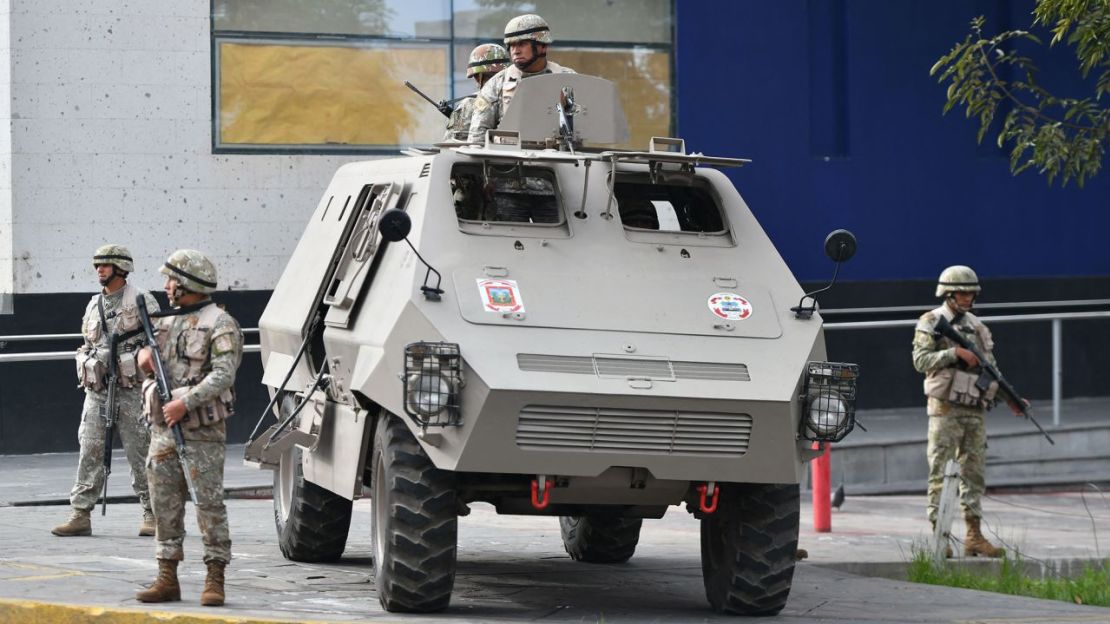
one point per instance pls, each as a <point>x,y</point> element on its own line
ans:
<point>658,369</point>
<point>666,432</point>
<point>427,168</point>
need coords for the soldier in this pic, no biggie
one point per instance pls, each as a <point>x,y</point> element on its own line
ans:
<point>485,61</point>
<point>956,405</point>
<point>527,37</point>
<point>201,346</point>
<point>111,311</point>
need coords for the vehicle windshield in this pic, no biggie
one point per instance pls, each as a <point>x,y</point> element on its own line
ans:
<point>667,207</point>
<point>506,194</point>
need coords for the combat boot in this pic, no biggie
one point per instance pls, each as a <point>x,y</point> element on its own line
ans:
<point>79,523</point>
<point>213,594</point>
<point>146,529</point>
<point>947,547</point>
<point>165,587</point>
<point>976,544</point>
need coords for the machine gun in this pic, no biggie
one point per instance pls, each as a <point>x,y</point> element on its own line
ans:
<point>444,106</point>
<point>566,110</point>
<point>989,374</point>
<point>164,393</point>
<point>109,411</point>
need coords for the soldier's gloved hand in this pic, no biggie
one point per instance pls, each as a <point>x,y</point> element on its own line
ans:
<point>174,412</point>
<point>967,356</point>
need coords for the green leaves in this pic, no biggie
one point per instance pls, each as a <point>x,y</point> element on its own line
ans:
<point>1055,136</point>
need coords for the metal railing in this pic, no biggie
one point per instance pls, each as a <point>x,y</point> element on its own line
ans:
<point>1057,319</point>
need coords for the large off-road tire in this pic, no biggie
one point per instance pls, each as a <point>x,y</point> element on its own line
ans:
<point>415,523</point>
<point>600,538</point>
<point>748,547</point>
<point>312,522</point>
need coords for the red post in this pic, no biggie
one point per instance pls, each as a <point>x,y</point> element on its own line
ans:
<point>822,507</point>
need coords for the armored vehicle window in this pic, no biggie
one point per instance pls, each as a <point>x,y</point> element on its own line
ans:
<point>668,207</point>
<point>505,194</point>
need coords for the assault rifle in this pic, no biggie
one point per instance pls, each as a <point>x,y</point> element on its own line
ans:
<point>164,393</point>
<point>989,374</point>
<point>109,411</point>
<point>443,106</point>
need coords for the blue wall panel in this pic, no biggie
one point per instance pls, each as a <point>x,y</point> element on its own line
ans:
<point>753,81</point>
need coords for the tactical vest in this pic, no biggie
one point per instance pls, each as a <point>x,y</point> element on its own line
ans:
<point>953,384</point>
<point>92,367</point>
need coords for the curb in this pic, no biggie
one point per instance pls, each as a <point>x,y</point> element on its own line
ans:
<point>32,612</point>
<point>237,492</point>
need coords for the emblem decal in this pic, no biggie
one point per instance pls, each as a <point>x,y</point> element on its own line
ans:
<point>729,306</point>
<point>500,296</point>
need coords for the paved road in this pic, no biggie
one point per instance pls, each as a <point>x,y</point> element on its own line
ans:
<point>514,568</point>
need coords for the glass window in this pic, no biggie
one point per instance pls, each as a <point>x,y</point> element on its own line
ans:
<point>328,76</point>
<point>668,207</point>
<point>509,194</point>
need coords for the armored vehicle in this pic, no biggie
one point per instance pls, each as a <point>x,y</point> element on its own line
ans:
<point>550,327</point>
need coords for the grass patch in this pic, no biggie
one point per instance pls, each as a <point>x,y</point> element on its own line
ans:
<point>1091,587</point>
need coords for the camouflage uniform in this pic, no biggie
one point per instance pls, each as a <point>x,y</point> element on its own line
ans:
<point>107,314</point>
<point>485,59</point>
<point>201,351</point>
<point>955,431</point>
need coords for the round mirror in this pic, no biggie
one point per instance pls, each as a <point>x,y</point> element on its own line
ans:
<point>394,225</point>
<point>840,245</point>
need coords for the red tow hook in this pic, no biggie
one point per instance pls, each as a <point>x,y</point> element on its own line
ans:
<point>541,496</point>
<point>713,492</point>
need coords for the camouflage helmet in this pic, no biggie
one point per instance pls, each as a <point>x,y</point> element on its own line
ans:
<point>192,269</point>
<point>116,255</point>
<point>958,278</point>
<point>525,27</point>
<point>487,58</point>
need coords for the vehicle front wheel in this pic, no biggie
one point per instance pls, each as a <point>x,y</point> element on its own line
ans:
<point>748,548</point>
<point>600,538</point>
<point>312,522</point>
<point>415,523</point>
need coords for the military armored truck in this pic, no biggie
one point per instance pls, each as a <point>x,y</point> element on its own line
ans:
<point>552,327</point>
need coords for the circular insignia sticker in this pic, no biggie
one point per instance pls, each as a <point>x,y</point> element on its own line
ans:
<point>729,306</point>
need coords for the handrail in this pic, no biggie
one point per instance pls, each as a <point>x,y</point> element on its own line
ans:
<point>1011,318</point>
<point>1070,303</point>
<point>34,337</point>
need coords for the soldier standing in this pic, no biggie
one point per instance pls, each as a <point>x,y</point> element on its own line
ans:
<point>956,405</point>
<point>201,346</point>
<point>527,37</point>
<point>485,61</point>
<point>112,311</point>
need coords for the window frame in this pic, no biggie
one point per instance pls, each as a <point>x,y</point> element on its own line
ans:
<point>451,42</point>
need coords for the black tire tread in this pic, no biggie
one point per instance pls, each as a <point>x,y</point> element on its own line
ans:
<point>600,538</point>
<point>419,573</point>
<point>756,530</point>
<point>318,523</point>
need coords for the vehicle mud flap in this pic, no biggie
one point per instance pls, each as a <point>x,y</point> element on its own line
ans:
<point>415,523</point>
<point>748,548</point>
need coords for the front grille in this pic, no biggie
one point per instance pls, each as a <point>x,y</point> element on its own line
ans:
<point>659,369</point>
<point>667,432</point>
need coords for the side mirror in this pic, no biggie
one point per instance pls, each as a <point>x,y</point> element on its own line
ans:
<point>394,225</point>
<point>840,245</point>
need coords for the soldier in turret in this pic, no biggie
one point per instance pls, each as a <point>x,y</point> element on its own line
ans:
<point>201,346</point>
<point>111,311</point>
<point>527,37</point>
<point>485,61</point>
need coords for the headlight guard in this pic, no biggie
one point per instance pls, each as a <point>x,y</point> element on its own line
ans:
<point>432,381</point>
<point>828,401</point>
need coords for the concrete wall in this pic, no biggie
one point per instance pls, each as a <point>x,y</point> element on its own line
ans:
<point>6,286</point>
<point>111,140</point>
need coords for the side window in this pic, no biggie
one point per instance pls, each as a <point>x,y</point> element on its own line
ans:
<point>668,208</point>
<point>505,194</point>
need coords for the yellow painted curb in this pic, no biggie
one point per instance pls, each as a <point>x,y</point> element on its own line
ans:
<point>31,612</point>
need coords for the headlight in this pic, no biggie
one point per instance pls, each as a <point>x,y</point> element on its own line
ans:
<point>433,379</point>
<point>428,393</point>
<point>827,413</point>
<point>828,401</point>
